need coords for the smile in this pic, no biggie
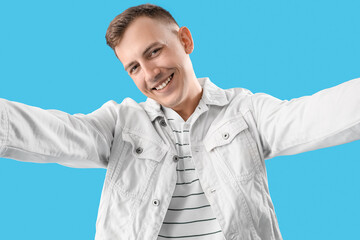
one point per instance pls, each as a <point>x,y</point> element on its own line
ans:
<point>164,84</point>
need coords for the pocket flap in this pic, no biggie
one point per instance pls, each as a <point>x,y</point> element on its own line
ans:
<point>144,148</point>
<point>225,133</point>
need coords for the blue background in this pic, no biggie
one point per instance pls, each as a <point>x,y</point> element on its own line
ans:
<point>53,55</point>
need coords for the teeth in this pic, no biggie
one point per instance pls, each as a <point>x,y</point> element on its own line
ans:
<point>161,86</point>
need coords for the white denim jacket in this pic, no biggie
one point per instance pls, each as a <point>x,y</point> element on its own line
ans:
<point>233,132</point>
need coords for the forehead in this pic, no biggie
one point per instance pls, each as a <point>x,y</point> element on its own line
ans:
<point>140,34</point>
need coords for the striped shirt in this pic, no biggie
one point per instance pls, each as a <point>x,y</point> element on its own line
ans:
<point>189,215</point>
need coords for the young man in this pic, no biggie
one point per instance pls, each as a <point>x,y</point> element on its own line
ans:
<point>189,162</point>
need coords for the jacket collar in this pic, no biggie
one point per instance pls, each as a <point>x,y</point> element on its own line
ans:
<point>212,95</point>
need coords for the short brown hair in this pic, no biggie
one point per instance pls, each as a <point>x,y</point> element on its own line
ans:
<point>120,23</point>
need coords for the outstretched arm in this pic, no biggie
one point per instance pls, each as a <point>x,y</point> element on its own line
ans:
<point>36,135</point>
<point>327,118</point>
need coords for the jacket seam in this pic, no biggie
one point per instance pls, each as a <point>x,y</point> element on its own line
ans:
<point>129,131</point>
<point>257,124</point>
<point>93,126</point>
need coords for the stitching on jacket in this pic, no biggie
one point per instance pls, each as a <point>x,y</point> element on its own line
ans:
<point>257,125</point>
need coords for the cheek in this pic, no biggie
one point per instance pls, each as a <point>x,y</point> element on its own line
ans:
<point>140,84</point>
<point>174,56</point>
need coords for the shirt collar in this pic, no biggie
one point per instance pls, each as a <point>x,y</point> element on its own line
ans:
<point>212,95</point>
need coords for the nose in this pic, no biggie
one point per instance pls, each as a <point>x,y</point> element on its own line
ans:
<point>152,73</point>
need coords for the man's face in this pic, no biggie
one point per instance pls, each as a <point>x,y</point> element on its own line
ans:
<point>156,56</point>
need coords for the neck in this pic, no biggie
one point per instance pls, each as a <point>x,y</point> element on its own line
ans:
<point>189,105</point>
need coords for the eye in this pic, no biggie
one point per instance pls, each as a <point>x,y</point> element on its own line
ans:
<point>133,69</point>
<point>155,52</point>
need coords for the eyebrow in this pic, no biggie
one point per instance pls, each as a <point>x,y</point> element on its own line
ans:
<point>143,54</point>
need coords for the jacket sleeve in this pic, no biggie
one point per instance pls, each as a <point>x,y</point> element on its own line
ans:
<point>327,118</point>
<point>50,136</point>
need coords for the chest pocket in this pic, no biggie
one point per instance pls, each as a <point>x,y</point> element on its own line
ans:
<point>231,142</point>
<point>136,164</point>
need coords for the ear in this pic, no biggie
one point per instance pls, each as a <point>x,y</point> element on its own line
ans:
<point>186,39</point>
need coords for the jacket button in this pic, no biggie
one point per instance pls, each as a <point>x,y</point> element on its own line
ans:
<point>175,158</point>
<point>139,150</point>
<point>163,123</point>
<point>225,136</point>
<point>156,202</point>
